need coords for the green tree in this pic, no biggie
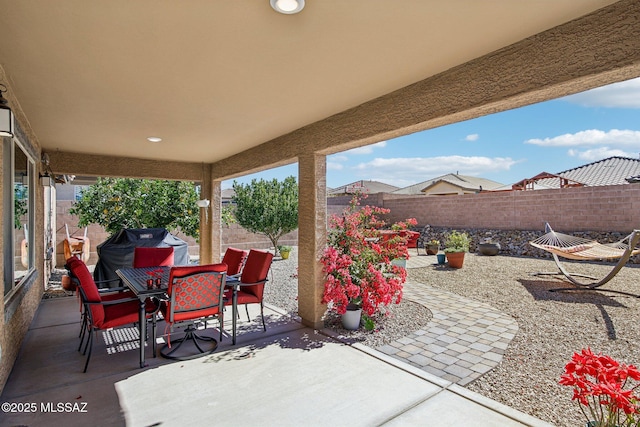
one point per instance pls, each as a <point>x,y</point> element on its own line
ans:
<point>116,203</point>
<point>267,207</point>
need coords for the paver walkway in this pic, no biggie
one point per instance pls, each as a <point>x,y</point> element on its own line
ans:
<point>465,339</point>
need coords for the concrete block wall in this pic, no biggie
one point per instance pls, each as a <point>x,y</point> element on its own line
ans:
<point>605,208</point>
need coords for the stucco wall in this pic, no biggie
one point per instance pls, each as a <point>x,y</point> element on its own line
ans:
<point>18,308</point>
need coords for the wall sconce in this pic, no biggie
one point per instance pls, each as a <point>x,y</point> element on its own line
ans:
<point>6,115</point>
<point>288,7</point>
<point>204,204</point>
<point>46,180</point>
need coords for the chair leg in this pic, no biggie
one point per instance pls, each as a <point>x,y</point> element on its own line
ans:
<point>221,321</point>
<point>89,339</point>
<point>84,323</point>
<point>264,325</point>
<point>90,344</point>
<point>153,333</point>
<point>246,307</point>
<point>82,334</point>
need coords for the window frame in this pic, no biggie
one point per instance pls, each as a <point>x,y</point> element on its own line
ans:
<point>12,283</point>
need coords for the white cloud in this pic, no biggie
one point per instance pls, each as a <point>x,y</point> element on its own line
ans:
<point>367,149</point>
<point>472,137</point>
<point>334,166</point>
<point>410,170</point>
<point>599,154</point>
<point>338,158</point>
<point>618,95</point>
<point>622,138</point>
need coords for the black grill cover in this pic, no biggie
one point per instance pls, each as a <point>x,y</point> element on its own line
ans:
<point>117,251</point>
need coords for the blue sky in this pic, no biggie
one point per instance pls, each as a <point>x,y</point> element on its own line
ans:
<point>552,136</point>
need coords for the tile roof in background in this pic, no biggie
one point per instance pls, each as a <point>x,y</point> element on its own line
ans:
<point>610,171</point>
<point>370,187</point>
<point>465,182</point>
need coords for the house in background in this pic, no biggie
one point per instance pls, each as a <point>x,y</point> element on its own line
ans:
<point>362,186</point>
<point>450,184</point>
<point>610,171</point>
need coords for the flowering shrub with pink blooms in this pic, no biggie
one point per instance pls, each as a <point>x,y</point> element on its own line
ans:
<point>357,260</point>
<point>599,383</point>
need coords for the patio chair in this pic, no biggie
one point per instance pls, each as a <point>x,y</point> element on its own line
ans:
<point>234,258</point>
<point>195,296</point>
<point>106,294</point>
<point>103,314</point>
<point>578,248</point>
<point>152,257</point>
<point>252,280</point>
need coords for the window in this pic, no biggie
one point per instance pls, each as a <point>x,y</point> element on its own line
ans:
<point>77,191</point>
<point>18,200</point>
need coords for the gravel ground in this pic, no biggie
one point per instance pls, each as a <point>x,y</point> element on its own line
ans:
<point>398,321</point>
<point>551,325</point>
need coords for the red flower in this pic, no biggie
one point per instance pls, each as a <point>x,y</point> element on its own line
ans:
<point>357,262</point>
<point>598,383</point>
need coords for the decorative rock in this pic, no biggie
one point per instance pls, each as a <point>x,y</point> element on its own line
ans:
<point>516,242</point>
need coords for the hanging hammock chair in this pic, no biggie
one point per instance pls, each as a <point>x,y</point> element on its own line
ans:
<point>578,248</point>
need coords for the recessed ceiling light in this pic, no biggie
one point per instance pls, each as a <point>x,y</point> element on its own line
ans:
<point>154,139</point>
<point>288,7</point>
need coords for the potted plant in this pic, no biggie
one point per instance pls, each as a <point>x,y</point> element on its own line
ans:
<point>605,389</point>
<point>432,246</point>
<point>284,251</point>
<point>360,275</point>
<point>455,246</point>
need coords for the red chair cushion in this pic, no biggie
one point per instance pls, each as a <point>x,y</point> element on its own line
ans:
<point>81,272</point>
<point>249,298</point>
<point>234,258</point>
<point>256,267</point>
<point>255,271</point>
<point>412,238</point>
<point>152,257</point>
<point>120,314</point>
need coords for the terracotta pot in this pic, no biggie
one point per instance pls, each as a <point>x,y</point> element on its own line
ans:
<point>432,249</point>
<point>455,259</point>
<point>68,284</point>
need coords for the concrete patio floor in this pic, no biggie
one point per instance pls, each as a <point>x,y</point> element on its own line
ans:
<point>290,375</point>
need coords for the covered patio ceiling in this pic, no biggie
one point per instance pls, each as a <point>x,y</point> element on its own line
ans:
<point>216,78</point>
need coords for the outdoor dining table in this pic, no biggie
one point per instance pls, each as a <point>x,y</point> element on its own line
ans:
<point>143,282</point>
<point>137,279</point>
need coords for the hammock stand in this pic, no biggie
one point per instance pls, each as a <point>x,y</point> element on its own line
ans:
<point>578,248</point>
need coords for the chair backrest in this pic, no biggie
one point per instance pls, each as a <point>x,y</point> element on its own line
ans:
<point>195,291</point>
<point>255,270</point>
<point>152,257</point>
<point>234,258</point>
<point>88,289</point>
